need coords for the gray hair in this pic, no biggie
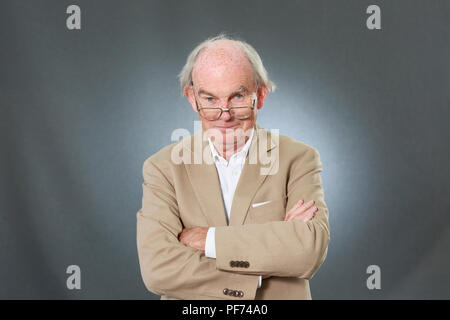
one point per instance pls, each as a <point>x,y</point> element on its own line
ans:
<point>259,72</point>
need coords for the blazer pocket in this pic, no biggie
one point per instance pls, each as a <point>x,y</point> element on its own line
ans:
<point>266,211</point>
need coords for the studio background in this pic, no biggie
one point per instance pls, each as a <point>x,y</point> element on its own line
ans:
<point>82,109</point>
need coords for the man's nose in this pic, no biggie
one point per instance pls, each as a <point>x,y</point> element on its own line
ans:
<point>226,115</point>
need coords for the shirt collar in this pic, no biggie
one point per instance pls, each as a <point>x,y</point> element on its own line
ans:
<point>241,154</point>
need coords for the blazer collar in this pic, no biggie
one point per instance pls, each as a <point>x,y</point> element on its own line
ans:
<point>205,182</point>
<point>241,154</point>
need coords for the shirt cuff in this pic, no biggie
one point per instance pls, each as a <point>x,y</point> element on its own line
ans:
<point>210,245</point>
<point>259,281</point>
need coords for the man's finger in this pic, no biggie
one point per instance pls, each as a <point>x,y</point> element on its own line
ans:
<point>181,236</point>
<point>304,216</point>
<point>297,205</point>
<point>294,208</point>
<point>308,215</point>
<point>304,206</point>
<point>307,205</point>
<point>310,212</point>
<point>297,210</point>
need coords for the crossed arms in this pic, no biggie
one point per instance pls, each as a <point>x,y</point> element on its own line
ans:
<point>171,264</point>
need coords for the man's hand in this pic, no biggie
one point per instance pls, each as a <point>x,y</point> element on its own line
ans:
<point>194,237</point>
<point>302,211</point>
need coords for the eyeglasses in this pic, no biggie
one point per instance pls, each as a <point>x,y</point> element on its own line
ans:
<point>238,109</point>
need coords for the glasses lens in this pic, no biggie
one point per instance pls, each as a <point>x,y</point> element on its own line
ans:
<point>210,113</point>
<point>241,112</point>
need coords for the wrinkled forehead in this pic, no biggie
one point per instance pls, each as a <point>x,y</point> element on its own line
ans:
<point>222,60</point>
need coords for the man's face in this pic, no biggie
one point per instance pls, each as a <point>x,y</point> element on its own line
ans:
<point>222,77</point>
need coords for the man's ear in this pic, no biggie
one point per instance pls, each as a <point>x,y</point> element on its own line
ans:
<point>262,94</point>
<point>189,93</point>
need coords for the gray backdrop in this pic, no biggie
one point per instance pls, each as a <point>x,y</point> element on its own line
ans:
<point>82,109</point>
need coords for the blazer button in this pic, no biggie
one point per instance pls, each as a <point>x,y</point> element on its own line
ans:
<point>232,264</point>
<point>226,291</point>
<point>246,264</point>
<point>236,293</point>
<point>241,294</point>
<point>231,293</point>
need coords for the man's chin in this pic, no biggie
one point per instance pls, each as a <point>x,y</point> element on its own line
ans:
<point>227,128</point>
<point>229,135</point>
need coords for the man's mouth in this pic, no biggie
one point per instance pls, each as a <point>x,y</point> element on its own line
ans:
<point>225,127</point>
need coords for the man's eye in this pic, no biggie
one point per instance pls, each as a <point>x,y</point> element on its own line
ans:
<point>210,99</point>
<point>239,96</point>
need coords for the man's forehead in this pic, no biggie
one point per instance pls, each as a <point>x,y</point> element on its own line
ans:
<point>222,69</point>
<point>222,51</point>
<point>220,58</point>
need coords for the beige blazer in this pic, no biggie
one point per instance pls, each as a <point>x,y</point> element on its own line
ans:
<point>256,242</point>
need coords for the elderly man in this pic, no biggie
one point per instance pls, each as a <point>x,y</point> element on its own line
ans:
<point>225,228</point>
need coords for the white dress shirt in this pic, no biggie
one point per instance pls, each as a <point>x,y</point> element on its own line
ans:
<point>229,173</point>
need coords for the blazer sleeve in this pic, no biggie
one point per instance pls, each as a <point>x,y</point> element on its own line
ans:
<point>167,266</point>
<point>282,248</point>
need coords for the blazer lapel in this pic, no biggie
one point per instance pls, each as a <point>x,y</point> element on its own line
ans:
<point>251,177</point>
<point>206,184</point>
<point>205,181</point>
